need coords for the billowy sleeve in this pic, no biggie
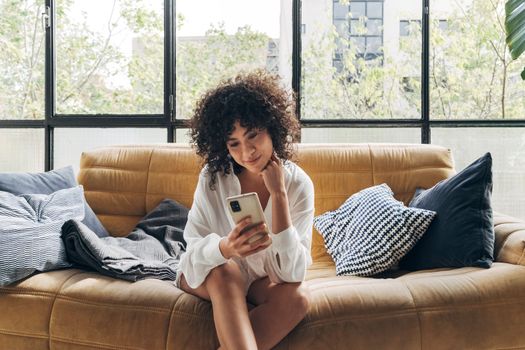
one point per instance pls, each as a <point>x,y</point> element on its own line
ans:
<point>202,251</point>
<point>288,257</point>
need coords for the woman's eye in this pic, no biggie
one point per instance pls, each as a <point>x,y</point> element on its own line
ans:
<point>253,135</point>
<point>233,144</point>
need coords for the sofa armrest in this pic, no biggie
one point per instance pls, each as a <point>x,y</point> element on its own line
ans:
<point>510,239</point>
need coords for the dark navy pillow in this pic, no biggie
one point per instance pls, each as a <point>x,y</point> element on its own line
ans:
<point>47,183</point>
<point>462,234</point>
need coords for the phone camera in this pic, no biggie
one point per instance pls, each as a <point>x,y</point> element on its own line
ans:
<point>235,206</point>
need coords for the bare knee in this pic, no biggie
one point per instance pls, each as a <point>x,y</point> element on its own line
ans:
<point>294,297</point>
<point>300,298</point>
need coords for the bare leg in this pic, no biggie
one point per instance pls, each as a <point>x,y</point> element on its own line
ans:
<point>224,287</point>
<point>280,308</point>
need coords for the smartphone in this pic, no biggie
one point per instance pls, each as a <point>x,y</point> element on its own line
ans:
<point>243,205</point>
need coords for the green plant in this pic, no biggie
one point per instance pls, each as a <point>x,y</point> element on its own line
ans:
<point>515,28</point>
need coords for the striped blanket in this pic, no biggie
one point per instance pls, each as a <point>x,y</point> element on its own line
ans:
<point>151,250</point>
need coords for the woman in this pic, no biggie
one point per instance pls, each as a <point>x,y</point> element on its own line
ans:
<point>244,130</point>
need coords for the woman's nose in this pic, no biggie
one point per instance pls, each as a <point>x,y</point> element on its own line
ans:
<point>248,148</point>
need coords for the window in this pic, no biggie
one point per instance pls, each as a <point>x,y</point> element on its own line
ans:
<point>365,27</point>
<point>471,75</point>
<point>353,62</point>
<point>22,39</point>
<point>406,27</point>
<point>126,71</point>
<point>218,40</point>
<point>109,57</point>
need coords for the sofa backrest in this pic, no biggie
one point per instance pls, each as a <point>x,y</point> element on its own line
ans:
<point>123,183</point>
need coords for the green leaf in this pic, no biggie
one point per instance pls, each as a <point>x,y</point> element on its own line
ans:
<point>515,26</point>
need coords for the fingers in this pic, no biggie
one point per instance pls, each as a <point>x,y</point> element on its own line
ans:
<point>241,226</point>
<point>249,234</point>
<point>260,247</point>
<point>272,162</point>
<point>253,240</point>
<point>258,244</point>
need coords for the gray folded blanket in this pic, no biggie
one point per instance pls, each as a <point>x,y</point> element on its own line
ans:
<point>151,250</point>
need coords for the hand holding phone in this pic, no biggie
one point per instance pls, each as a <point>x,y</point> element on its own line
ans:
<point>247,205</point>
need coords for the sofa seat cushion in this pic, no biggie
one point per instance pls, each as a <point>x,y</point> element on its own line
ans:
<point>140,315</point>
<point>425,309</point>
<point>26,308</point>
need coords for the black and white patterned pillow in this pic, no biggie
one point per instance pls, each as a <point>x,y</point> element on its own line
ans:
<point>371,231</point>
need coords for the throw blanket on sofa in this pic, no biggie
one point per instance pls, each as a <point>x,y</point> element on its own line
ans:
<point>151,250</point>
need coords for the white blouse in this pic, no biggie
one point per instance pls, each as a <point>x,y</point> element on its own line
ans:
<point>285,260</point>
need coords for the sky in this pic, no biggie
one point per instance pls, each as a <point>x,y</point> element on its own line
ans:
<point>260,15</point>
<point>263,16</point>
<point>199,14</point>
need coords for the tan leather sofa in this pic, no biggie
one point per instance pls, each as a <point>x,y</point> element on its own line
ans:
<point>466,308</point>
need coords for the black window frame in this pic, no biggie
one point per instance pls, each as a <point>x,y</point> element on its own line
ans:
<point>168,120</point>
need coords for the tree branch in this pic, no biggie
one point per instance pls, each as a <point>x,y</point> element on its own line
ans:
<point>99,60</point>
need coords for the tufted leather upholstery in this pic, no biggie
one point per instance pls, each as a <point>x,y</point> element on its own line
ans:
<point>467,308</point>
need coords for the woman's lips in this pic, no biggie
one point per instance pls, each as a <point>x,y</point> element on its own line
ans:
<point>253,161</point>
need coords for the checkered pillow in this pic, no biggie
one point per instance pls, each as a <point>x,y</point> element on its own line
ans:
<point>371,231</point>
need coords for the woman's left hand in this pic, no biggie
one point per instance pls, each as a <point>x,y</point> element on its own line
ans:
<point>273,175</point>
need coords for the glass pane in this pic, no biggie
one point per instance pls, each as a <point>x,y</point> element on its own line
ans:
<point>360,86</point>
<point>342,28</point>
<point>360,135</point>
<point>71,142</point>
<point>182,136</point>
<point>472,76</point>
<point>22,50</point>
<point>22,150</point>
<point>373,45</point>
<point>217,39</point>
<point>360,44</point>
<point>507,146</point>
<point>110,57</point>
<point>374,26</point>
<point>340,11</point>
<point>443,24</point>
<point>375,10</point>
<point>358,9</point>
<point>357,27</point>
<point>403,28</point>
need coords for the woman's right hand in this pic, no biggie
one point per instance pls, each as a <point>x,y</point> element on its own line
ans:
<point>237,242</point>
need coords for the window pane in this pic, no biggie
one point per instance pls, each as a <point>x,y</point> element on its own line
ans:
<point>472,76</point>
<point>357,27</point>
<point>358,9</point>
<point>360,135</point>
<point>342,28</point>
<point>374,26</point>
<point>373,45</point>
<point>340,11</point>
<point>217,39</point>
<point>359,85</point>
<point>110,57</point>
<point>22,150</point>
<point>182,136</point>
<point>507,146</point>
<point>403,28</point>
<point>360,44</point>
<point>375,10</point>
<point>71,142</point>
<point>22,50</point>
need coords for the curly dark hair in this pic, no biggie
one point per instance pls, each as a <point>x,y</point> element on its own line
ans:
<point>254,99</point>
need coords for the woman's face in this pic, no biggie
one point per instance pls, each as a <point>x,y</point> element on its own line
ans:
<point>250,148</point>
